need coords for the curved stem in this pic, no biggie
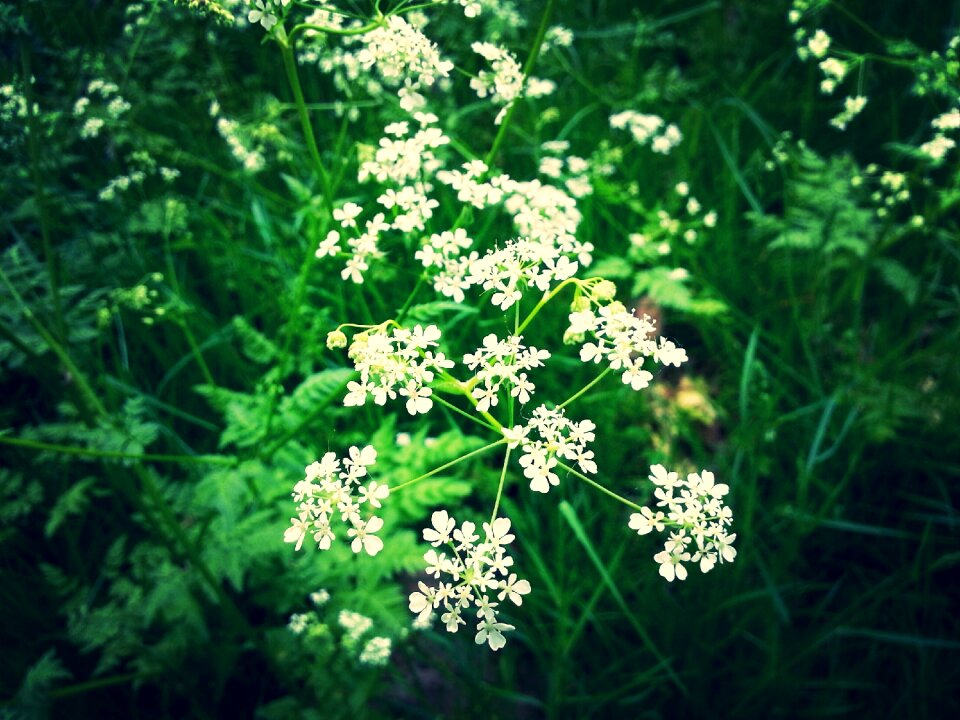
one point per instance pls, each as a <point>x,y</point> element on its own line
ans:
<point>345,32</point>
<point>598,486</point>
<point>448,465</point>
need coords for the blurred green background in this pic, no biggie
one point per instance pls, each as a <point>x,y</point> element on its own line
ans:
<point>164,378</point>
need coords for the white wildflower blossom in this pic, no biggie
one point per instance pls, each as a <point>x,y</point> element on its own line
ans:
<point>401,53</point>
<point>376,651</point>
<point>649,130</point>
<point>937,148</point>
<point>694,512</point>
<point>852,106</point>
<point>520,263</point>
<point>818,44</point>
<point>402,361</point>
<point>479,578</point>
<point>503,362</point>
<point>546,439</point>
<point>622,341</point>
<point>333,487</point>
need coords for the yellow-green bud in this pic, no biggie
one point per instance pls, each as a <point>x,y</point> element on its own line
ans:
<point>604,291</point>
<point>336,339</point>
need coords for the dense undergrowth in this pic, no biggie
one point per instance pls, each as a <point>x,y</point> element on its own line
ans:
<point>167,177</point>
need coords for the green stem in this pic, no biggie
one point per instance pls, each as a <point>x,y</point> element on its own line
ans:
<point>543,301</point>
<point>184,325</point>
<point>290,65</point>
<point>599,487</point>
<point>527,69</point>
<point>86,392</point>
<point>473,401</point>
<point>334,31</point>
<point>448,465</point>
<point>503,478</point>
<point>53,274</point>
<point>467,415</point>
<point>112,454</point>
<point>585,388</point>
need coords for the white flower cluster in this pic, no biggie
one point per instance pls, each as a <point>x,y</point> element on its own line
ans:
<point>399,362</point>
<point>469,187</point>
<point>265,13</point>
<point>623,341</point>
<point>852,106</point>
<point>648,129</point>
<point>548,214</point>
<point>504,82</point>
<point>694,507</point>
<point>573,170</point>
<point>113,109</point>
<point>547,436</point>
<point>407,157</point>
<point>940,145</point>
<point>443,252</point>
<point>250,156</point>
<point>520,263</point>
<point>503,361</point>
<point>401,53</point>
<point>331,486</point>
<point>476,572</point>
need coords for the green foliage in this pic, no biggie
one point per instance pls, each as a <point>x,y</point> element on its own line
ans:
<point>166,331</point>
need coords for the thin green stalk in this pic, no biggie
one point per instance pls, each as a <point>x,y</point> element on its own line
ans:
<point>116,455</point>
<point>527,69</point>
<point>53,273</point>
<point>448,465</point>
<point>467,415</point>
<point>503,478</point>
<point>598,486</point>
<point>543,301</point>
<point>585,388</point>
<point>86,392</point>
<point>290,65</point>
<point>473,401</point>
<point>346,32</point>
<point>184,325</point>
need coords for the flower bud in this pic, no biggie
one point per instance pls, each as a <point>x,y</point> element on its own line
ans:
<point>604,291</point>
<point>336,339</point>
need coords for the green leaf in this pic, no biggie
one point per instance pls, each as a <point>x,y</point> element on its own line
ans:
<point>73,502</point>
<point>254,344</point>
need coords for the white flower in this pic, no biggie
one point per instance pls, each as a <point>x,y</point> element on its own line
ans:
<point>326,490</point>
<point>476,570</point>
<point>443,525</point>
<point>330,245</point>
<point>363,539</point>
<point>347,215</point>
<point>694,510</point>
<point>492,633</point>
<point>260,14</point>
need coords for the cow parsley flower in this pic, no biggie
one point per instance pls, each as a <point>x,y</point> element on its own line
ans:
<point>478,577</point>
<point>332,487</point>
<point>503,362</point>
<point>402,361</point>
<point>693,510</point>
<point>622,341</point>
<point>548,437</point>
